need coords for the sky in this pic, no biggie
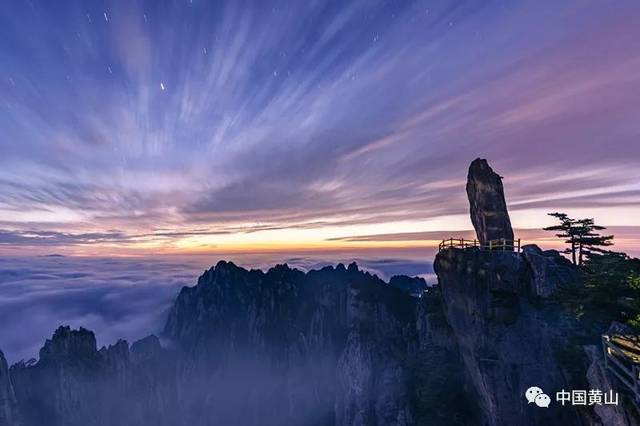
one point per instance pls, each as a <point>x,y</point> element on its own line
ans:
<point>197,127</point>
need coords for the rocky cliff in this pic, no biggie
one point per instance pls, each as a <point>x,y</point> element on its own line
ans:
<point>508,341</point>
<point>511,328</point>
<point>333,346</point>
<point>513,333</point>
<point>8,403</point>
<point>74,383</point>
<point>336,346</point>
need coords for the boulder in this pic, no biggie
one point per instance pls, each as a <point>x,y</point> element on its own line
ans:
<point>488,207</point>
<point>549,271</point>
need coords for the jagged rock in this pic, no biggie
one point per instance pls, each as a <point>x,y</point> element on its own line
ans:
<point>374,382</point>
<point>550,271</point>
<point>145,349</point>
<point>115,360</point>
<point>65,386</point>
<point>153,385</point>
<point>488,207</point>
<point>74,384</point>
<point>311,327</point>
<point>431,323</point>
<point>67,343</point>
<point>373,365</point>
<point>8,403</point>
<point>336,346</point>
<point>442,383</point>
<point>411,285</point>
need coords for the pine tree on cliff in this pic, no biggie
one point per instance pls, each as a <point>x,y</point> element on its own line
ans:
<point>580,235</point>
<point>567,231</point>
<point>590,241</point>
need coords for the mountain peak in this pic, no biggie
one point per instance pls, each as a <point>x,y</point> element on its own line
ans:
<point>67,343</point>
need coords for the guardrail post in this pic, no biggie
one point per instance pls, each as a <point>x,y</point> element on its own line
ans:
<point>635,382</point>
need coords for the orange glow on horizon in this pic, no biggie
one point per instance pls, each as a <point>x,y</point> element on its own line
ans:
<point>629,244</point>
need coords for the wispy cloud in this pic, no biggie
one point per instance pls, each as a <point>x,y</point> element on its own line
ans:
<point>280,116</point>
<point>118,298</point>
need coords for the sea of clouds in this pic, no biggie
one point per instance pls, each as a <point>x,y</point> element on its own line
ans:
<point>124,298</point>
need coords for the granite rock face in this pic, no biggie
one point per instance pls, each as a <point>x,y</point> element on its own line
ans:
<point>549,271</point>
<point>412,285</point>
<point>73,383</point>
<point>339,344</point>
<point>8,403</point>
<point>488,207</point>
<point>510,331</point>
<point>507,341</point>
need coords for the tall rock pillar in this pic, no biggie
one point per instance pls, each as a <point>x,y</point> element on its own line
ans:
<point>486,199</point>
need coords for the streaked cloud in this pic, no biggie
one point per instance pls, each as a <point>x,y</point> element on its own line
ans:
<point>244,124</point>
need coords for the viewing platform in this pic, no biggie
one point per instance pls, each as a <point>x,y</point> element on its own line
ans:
<point>622,358</point>
<point>493,245</point>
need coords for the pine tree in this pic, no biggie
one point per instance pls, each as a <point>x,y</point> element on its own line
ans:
<point>567,231</point>
<point>580,235</point>
<point>589,241</point>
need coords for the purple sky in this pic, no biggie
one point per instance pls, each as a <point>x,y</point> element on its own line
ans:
<point>138,127</point>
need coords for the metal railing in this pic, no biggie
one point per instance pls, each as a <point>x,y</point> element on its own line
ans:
<point>493,245</point>
<point>622,365</point>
